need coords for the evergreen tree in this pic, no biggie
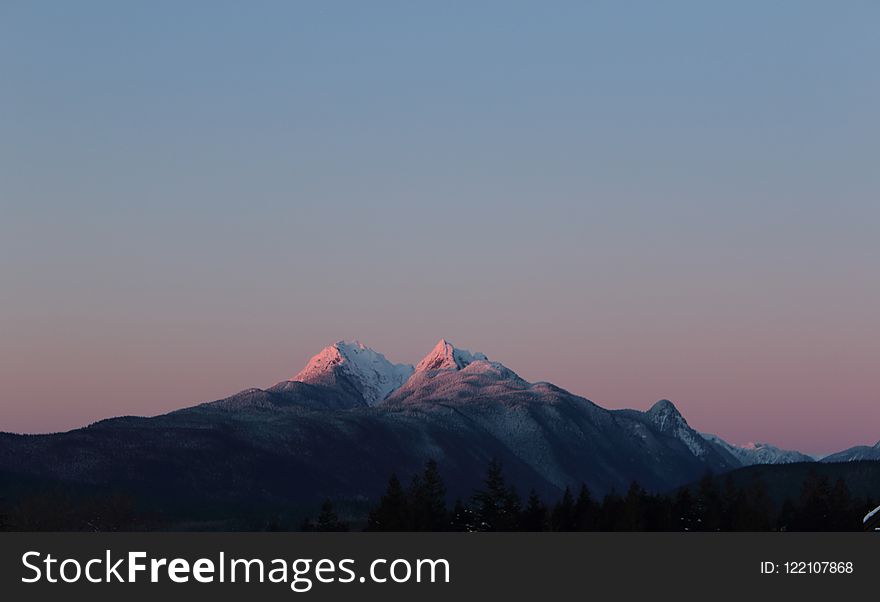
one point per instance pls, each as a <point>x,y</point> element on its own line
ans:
<point>710,512</point>
<point>586,511</point>
<point>328,520</point>
<point>428,500</point>
<point>562,518</point>
<point>735,508</point>
<point>658,513</point>
<point>787,520</point>
<point>534,517</point>
<point>392,513</point>
<point>761,507</point>
<point>814,511</point>
<point>634,509</point>
<point>684,511</point>
<point>496,507</point>
<point>843,515</point>
<point>612,517</point>
<point>462,518</point>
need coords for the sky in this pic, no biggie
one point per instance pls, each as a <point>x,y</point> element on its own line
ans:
<point>632,200</point>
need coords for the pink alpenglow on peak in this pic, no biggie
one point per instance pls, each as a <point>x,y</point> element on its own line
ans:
<point>355,368</point>
<point>369,371</point>
<point>445,356</point>
<point>758,453</point>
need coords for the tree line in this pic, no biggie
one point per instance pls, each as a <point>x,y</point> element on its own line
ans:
<point>712,504</point>
<point>422,504</point>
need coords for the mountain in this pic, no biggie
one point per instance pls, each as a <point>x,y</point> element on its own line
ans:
<point>350,419</point>
<point>666,417</point>
<point>859,452</point>
<point>758,453</point>
<point>448,374</point>
<point>360,372</point>
<point>446,357</point>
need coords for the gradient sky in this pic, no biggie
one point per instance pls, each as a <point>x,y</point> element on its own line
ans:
<point>633,200</point>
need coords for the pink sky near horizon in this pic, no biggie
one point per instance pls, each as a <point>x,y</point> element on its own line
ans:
<point>737,397</point>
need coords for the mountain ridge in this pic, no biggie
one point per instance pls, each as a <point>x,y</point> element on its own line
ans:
<point>759,453</point>
<point>855,453</point>
<point>356,368</point>
<point>355,418</point>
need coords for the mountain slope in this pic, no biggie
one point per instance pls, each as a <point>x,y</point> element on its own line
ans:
<point>444,356</point>
<point>854,454</point>
<point>666,417</point>
<point>358,371</point>
<point>449,374</point>
<point>758,453</point>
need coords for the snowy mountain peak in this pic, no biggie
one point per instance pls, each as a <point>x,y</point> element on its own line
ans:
<point>666,417</point>
<point>444,356</point>
<point>758,453</point>
<point>664,411</point>
<point>365,369</point>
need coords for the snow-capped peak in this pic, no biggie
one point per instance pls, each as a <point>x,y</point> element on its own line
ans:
<point>758,453</point>
<point>666,417</point>
<point>372,375</point>
<point>444,356</point>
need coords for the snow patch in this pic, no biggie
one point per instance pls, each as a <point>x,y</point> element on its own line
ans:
<point>666,417</point>
<point>374,376</point>
<point>758,453</point>
<point>444,356</point>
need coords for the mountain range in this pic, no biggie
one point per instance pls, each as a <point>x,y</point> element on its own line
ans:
<point>351,418</point>
<point>759,453</point>
<point>855,454</point>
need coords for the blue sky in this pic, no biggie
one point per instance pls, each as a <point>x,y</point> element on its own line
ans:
<point>633,200</point>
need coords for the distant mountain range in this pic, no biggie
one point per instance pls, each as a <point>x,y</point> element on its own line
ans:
<point>759,453</point>
<point>351,418</point>
<point>854,454</point>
